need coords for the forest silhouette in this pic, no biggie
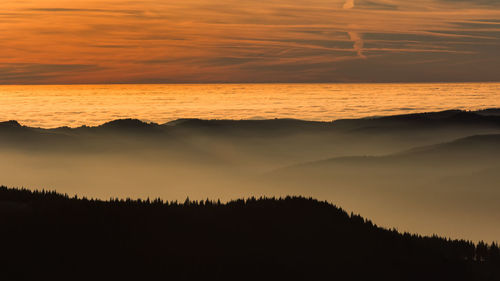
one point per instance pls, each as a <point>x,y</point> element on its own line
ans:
<point>50,236</point>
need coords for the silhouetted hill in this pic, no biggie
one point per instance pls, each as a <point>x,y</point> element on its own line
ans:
<point>410,169</point>
<point>301,140</point>
<point>451,119</point>
<point>10,124</point>
<point>242,123</point>
<point>269,127</point>
<point>127,124</point>
<point>480,150</point>
<point>483,118</point>
<point>373,168</point>
<point>419,121</point>
<point>447,188</point>
<point>48,236</point>
<point>480,147</point>
<point>490,111</point>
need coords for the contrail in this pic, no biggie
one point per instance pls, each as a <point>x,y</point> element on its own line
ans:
<point>355,36</point>
<point>358,43</point>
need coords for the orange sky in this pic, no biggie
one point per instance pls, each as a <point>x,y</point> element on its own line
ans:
<point>157,41</point>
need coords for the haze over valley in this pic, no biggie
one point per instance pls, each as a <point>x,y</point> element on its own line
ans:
<point>418,172</point>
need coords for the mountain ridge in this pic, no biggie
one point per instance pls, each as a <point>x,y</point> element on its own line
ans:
<point>485,115</point>
<point>483,142</point>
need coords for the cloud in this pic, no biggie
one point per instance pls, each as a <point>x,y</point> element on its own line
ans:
<point>353,35</point>
<point>349,4</point>
<point>90,41</point>
<point>83,10</point>
<point>358,43</point>
<point>27,73</point>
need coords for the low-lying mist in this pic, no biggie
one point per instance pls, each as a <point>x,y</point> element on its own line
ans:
<point>425,173</point>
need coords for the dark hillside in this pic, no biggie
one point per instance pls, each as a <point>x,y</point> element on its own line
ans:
<point>48,236</point>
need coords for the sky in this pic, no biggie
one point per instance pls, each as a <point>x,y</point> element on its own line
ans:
<point>259,41</point>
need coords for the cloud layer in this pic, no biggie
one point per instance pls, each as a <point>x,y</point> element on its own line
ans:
<point>153,41</point>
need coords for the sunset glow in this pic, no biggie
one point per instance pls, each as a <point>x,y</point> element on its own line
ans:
<point>152,41</point>
<point>51,106</point>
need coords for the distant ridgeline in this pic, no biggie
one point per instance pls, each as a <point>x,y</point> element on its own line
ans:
<point>49,236</point>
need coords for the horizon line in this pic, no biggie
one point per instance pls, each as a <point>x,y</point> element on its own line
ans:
<point>255,83</point>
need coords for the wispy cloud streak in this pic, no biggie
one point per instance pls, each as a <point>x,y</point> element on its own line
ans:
<point>353,35</point>
<point>236,41</point>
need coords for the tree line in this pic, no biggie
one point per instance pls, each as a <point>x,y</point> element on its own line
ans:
<point>47,235</point>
